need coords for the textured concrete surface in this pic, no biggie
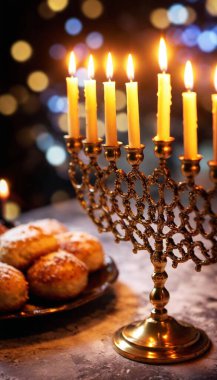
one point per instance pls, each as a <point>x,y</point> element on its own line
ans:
<point>77,344</point>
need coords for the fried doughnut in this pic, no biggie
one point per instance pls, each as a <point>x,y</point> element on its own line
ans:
<point>13,288</point>
<point>85,247</point>
<point>50,226</point>
<point>57,276</point>
<point>21,245</point>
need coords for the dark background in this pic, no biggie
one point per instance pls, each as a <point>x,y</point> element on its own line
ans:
<point>31,126</point>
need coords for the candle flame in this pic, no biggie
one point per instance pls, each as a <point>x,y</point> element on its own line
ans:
<point>4,189</point>
<point>215,79</point>
<point>72,64</point>
<point>188,76</point>
<point>162,57</point>
<point>90,67</point>
<point>130,68</point>
<point>109,67</point>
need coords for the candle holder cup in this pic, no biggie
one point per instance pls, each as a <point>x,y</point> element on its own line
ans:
<point>152,226</point>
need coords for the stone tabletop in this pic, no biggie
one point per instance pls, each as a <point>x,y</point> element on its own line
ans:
<point>77,344</point>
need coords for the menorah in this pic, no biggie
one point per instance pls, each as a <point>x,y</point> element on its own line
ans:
<point>160,338</point>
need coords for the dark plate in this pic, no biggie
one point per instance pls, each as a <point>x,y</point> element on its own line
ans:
<point>98,283</point>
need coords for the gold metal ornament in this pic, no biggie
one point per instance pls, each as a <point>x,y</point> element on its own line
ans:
<point>167,219</point>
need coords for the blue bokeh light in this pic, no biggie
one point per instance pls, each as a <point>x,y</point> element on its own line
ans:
<point>178,14</point>
<point>57,51</point>
<point>73,26</point>
<point>57,104</point>
<point>190,35</point>
<point>56,155</point>
<point>44,141</point>
<point>207,41</point>
<point>94,40</point>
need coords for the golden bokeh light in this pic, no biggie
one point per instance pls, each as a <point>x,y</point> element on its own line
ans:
<point>211,7</point>
<point>122,122</point>
<point>192,16</point>
<point>21,51</point>
<point>92,8</point>
<point>121,100</point>
<point>21,93</point>
<point>45,11</point>
<point>63,122</point>
<point>159,18</point>
<point>57,5</point>
<point>38,81</point>
<point>8,104</point>
<point>12,210</point>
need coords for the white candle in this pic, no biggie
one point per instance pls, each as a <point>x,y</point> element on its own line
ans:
<point>189,115</point>
<point>110,106</point>
<point>91,104</point>
<point>132,107</point>
<point>73,98</point>
<point>214,118</point>
<point>164,96</point>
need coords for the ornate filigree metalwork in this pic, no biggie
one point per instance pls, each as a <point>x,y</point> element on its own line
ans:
<point>147,210</point>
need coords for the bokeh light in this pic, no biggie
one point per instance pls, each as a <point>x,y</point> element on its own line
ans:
<point>57,5</point>
<point>122,122</point>
<point>73,26</point>
<point>192,16</point>
<point>121,100</point>
<point>21,51</point>
<point>45,11</point>
<point>81,51</point>
<point>94,40</point>
<point>63,122</point>
<point>207,41</point>
<point>92,8</point>
<point>12,210</point>
<point>8,104</point>
<point>82,75</point>
<point>178,14</point>
<point>190,35</point>
<point>44,141</point>
<point>57,51</point>
<point>21,93</point>
<point>38,81</point>
<point>211,7</point>
<point>159,18</point>
<point>56,155</point>
<point>57,103</point>
<point>101,128</point>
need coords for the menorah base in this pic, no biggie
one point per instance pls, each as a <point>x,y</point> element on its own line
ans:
<point>159,342</point>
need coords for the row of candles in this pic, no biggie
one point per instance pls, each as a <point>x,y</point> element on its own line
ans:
<point>163,108</point>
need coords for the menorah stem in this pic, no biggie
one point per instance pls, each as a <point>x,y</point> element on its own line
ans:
<point>160,338</point>
<point>159,296</point>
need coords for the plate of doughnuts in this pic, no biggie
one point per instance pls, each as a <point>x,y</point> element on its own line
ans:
<point>45,269</point>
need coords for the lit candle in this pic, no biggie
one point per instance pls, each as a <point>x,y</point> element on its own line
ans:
<point>110,105</point>
<point>4,194</point>
<point>90,104</point>
<point>214,118</point>
<point>73,95</point>
<point>164,96</point>
<point>189,115</point>
<point>132,107</point>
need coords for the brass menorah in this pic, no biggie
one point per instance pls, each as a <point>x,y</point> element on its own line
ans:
<point>159,338</point>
